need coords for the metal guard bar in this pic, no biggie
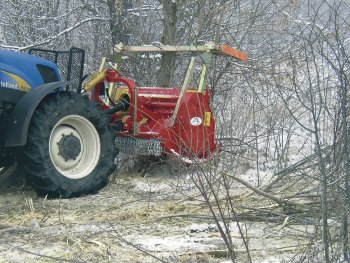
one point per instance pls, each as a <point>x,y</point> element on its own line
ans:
<point>215,49</point>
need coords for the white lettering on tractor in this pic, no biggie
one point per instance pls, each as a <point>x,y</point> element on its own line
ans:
<point>9,85</point>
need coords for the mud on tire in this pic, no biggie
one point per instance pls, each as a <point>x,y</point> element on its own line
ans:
<point>70,149</point>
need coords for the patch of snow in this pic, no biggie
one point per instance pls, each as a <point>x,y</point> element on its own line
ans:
<point>251,175</point>
<point>270,260</point>
<point>204,227</point>
<point>176,244</point>
<point>151,187</point>
<point>152,56</point>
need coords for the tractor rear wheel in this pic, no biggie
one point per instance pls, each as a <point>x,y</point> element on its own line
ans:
<point>70,149</point>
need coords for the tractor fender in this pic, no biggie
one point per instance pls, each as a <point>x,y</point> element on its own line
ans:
<point>19,120</point>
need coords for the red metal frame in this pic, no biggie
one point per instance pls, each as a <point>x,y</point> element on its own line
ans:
<point>180,117</point>
<point>191,136</point>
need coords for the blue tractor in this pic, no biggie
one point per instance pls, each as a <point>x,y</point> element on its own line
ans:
<point>49,131</point>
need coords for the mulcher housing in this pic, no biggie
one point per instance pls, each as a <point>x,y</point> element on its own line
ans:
<point>154,120</point>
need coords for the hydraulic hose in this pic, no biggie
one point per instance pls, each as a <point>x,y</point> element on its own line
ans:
<point>122,105</point>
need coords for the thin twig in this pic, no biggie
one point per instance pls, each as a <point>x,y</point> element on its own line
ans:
<point>120,238</point>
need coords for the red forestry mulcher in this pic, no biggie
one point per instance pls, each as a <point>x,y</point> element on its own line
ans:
<point>153,120</point>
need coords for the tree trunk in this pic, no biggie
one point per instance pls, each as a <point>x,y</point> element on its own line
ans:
<point>167,65</point>
<point>118,11</point>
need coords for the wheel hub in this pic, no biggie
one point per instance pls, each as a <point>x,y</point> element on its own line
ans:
<point>69,147</point>
<point>74,146</point>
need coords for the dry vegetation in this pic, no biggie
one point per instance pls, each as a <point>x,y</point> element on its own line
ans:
<point>154,216</point>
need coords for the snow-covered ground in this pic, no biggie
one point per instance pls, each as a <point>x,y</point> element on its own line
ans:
<point>160,216</point>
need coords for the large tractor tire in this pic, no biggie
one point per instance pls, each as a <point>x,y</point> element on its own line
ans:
<point>70,149</point>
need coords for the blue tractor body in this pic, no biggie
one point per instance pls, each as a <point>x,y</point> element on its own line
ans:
<point>23,78</point>
<point>24,72</point>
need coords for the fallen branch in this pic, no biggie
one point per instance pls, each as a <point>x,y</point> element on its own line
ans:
<point>278,200</point>
<point>6,228</point>
<point>247,217</point>
<point>271,217</point>
<point>41,255</point>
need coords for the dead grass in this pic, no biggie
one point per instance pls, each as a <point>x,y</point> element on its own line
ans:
<point>134,219</point>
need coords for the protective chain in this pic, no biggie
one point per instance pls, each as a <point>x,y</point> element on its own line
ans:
<point>138,146</point>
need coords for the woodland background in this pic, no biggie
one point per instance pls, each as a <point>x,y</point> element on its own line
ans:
<point>282,117</point>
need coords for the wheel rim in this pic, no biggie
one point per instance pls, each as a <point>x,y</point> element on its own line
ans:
<point>73,163</point>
